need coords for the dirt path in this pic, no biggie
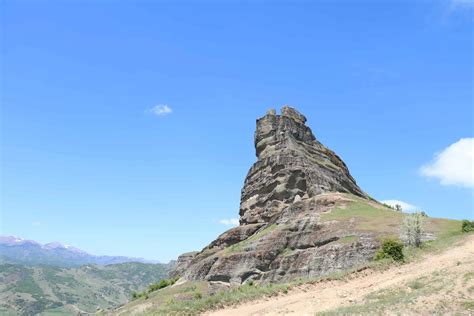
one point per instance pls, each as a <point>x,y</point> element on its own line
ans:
<point>452,271</point>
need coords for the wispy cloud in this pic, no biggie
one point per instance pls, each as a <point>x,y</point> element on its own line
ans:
<point>160,110</point>
<point>462,3</point>
<point>406,207</point>
<point>454,165</point>
<point>36,223</point>
<point>230,222</point>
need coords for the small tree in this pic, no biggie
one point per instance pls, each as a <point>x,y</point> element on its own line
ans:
<point>398,208</point>
<point>413,228</point>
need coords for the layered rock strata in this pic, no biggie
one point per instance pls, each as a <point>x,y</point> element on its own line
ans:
<point>291,165</point>
<point>281,237</point>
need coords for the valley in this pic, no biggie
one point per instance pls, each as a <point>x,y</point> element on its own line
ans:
<point>50,290</point>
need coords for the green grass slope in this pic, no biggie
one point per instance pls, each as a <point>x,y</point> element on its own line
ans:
<point>58,291</point>
<point>377,219</point>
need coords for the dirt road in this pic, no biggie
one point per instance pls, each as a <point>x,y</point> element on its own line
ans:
<point>437,283</point>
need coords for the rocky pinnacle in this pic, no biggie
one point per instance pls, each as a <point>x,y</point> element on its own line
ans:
<point>281,236</point>
<point>291,165</point>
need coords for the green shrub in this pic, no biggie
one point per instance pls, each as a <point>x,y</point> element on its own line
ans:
<point>162,284</point>
<point>137,295</point>
<point>391,248</point>
<point>197,295</point>
<point>467,226</point>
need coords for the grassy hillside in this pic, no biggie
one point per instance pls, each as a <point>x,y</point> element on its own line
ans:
<point>59,291</point>
<point>352,214</point>
<point>374,218</point>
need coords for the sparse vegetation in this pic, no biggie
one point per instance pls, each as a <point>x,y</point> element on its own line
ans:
<point>391,248</point>
<point>415,285</point>
<point>468,305</point>
<point>200,303</point>
<point>384,300</point>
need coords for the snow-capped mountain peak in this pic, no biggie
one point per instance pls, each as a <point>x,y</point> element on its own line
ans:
<point>19,250</point>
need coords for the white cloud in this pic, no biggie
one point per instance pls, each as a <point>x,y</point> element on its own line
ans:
<point>36,223</point>
<point>230,222</point>
<point>160,110</point>
<point>454,165</point>
<point>406,207</point>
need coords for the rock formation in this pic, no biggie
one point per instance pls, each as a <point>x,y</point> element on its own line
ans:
<point>291,165</point>
<point>281,235</point>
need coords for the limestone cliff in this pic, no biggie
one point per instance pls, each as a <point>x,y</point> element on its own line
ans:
<point>281,236</point>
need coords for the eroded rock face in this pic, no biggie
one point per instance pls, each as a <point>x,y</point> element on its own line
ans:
<point>281,236</point>
<point>182,263</point>
<point>291,165</point>
<point>295,244</point>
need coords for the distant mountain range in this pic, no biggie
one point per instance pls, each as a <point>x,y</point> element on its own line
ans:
<point>49,290</point>
<point>17,250</point>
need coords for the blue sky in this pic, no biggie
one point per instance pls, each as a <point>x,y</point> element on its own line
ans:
<point>87,161</point>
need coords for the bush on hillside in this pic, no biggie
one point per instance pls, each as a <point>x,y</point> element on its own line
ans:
<point>391,248</point>
<point>137,295</point>
<point>162,284</point>
<point>412,228</point>
<point>154,287</point>
<point>467,226</point>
